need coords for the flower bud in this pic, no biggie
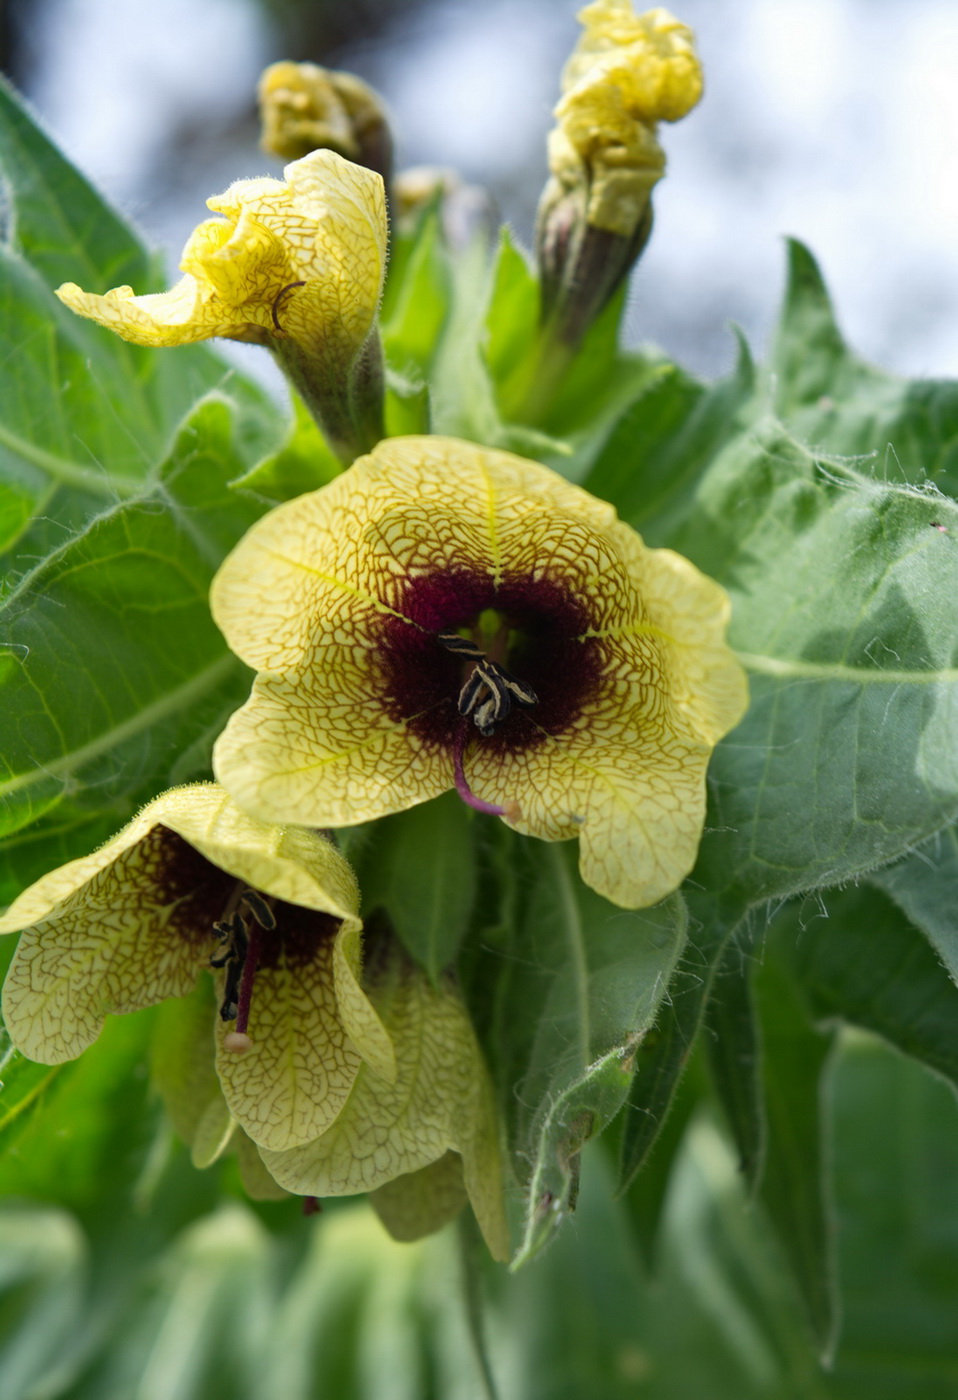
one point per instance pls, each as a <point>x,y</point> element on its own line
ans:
<point>306,108</point>
<point>627,73</point>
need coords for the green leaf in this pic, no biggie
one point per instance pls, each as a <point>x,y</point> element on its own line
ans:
<point>57,219</point>
<point>83,1135</point>
<point>87,417</point>
<point>667,1048</point>
<point>842,596</point>
<point>304,462</point>
<point>859,960</point>
<point>511,343</point>
<point>734,1052</point>
<point>895,1162</point>
<point>415,312</point>
<point>115,680</point>
<point>660,445</point>
<point>645,1199</point>
<point>835,401</point>
<point>923,885</point>
<point>420,866</point>
<point>594,976</point>
<point>794,1189</point>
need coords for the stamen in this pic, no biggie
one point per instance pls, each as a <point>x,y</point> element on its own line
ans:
<point>260,909</point>
<point>511,810</point>
<point>246,984</point>
<point>312,1205</point>
<point>490,690</point>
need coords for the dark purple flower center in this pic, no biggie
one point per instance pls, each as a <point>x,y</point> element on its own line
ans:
<point>250,930</point>
<point>530,630</point>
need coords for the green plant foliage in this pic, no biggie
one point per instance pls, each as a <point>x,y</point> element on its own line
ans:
<point>115,680</point>
<point>767,1054</point>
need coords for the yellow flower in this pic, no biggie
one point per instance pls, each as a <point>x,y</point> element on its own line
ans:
<point>192,882</point>
<point>627,73</point>
<point>297,266</point>
<point>445,615</point>
<point>441,1102</point>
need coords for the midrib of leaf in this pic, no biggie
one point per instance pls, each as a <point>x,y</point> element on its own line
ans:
<point>572,922</point>
<point>835,671</point>
<point>144,719</point>
<point>70,473</point>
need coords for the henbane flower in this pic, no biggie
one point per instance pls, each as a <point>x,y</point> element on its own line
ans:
<point>296,265</point>
<point>193,882</point>
<point>445,615</point>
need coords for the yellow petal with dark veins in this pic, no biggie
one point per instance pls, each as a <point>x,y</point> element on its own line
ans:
<point>308,596</point>
<point>441,1101</point>
<point>294,1080</point>
<point>324,227</point>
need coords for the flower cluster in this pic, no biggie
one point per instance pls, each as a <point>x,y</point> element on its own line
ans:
<point>440,616</point>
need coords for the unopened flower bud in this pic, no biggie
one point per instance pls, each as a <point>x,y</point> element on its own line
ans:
<point>306,108</point>
<point>627,73</point>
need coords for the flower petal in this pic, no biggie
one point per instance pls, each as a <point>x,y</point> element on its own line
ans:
<point>321,747</point>
<point>440,1101</point>
<point>420,1203</point>
<point>325,227</point>
<point>294,1080</point>
<point>104,950</point>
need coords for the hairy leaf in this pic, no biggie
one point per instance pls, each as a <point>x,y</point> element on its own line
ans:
<point>114,680</point>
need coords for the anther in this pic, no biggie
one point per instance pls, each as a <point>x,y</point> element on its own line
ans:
<point>260,909</point>
<point>278,298</point>
<point>490,690</point>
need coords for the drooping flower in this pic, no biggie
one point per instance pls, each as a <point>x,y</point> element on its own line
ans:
<point>440,1103</point>
<point>193,882</point>
<point>297,266</point>
<point>445,615</point>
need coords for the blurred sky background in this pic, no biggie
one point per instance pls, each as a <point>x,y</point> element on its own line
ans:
<point>833,120</point>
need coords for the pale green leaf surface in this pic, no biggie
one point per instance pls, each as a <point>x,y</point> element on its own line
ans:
<point>859,960</point>
<point>925,886</point>
<point>837,403</point>
<point>304,462</point>
<point>843,613</point>
<point>114,676</point>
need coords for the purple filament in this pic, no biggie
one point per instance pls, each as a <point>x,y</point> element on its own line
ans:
<point>250,963</point>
